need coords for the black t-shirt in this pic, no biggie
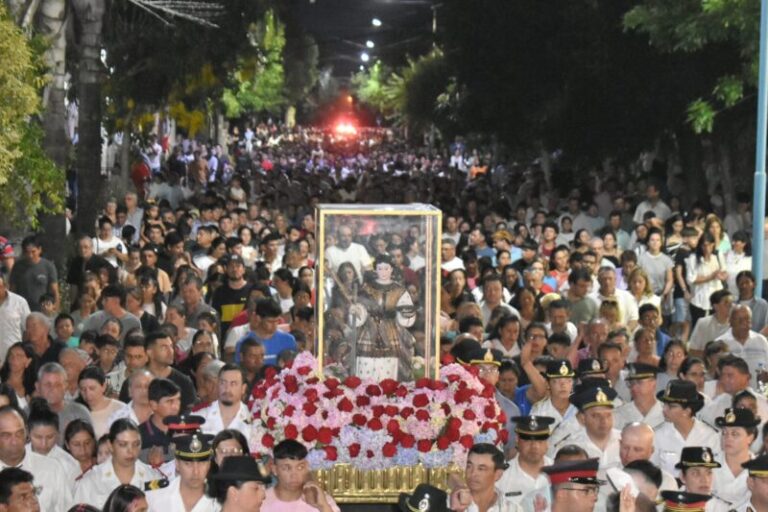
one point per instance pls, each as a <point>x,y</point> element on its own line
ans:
<point>229,302</point>
<point>78,267</point>
<point>52,354</point>
<point>680,257</point>
<point>188,392</point>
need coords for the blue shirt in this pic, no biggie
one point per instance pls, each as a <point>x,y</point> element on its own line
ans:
<point>522,401</point>
<point>272,346</point>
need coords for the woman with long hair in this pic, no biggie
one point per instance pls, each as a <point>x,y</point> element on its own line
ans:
<point>739,258</point>
<point>559,269</point>
<point>80,443</point>
<point>714,226</point>
<point>671,361</point>
<point>43,426</point>
<point>19,371</point>
<point>227,443</point>
<point>505,336</point>
<point>151,297</point>
<point>126,498</point>
<point>640,289</point>
<point>705,274</point>
<point>645,345</point>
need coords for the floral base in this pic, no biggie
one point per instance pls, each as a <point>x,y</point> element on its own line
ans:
<point>348,484</point>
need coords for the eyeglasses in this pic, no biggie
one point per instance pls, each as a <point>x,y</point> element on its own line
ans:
<point>586,490</point>
<point>532,337</point>
<point>488,370</point>
<point>227,452</point>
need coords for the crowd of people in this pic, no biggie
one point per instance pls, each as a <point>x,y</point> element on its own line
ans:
<point>617,322</point>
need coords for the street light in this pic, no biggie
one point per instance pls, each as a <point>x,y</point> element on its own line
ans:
<point>369,44</point>
<point>376,22</point>
<point>365,57</point>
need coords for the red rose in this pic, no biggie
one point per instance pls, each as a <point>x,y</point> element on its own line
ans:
<point>291,432</point>
<point>359,419</point>
<point>389,450</point>
<point>490,411</point>
<point>330,453</point>
<point>422,415</point>
<point>375,424</point>
<point>469,414</point>
<point>313,381</point>
<point>407,441</point>
<point>462,395</point>
<point>446,408</point>
<point>396,435</point>
<point>271,423</point>
<point>388,386</point>
<point>309,433</point>
<point>424,445</point>
<point>309,408</point>
<point>289,410</point>
<point>401,392</point>
<point>354,450</point>
<point>391,410</point>
<point>453,378</point>
<point>259,393</point>
<point>422,383</point>
<point>420,400</point>
<point>504,436</point>
<point>346,405</point>
<point>439,385</point>
<point>393,426</point>
<point>502,417</point>
<point>363,401</point>
<point>488,391</point>
<point>377,411</point>
<point>304,370</point>
<point>291,384</point>
<point>443,443</point>
<point>446,359</point>
<point>311,394</point>
<point>325,435</point>
<point>268,441</point>
<point>454,423</point>
<point>467,441</point>
<point>453,434</point>
<point>373,390</point>
<point>331,383</point>
<point>270,373</point>
<point>352,382</point>
<point>407,411</point>
<point>370,454</point>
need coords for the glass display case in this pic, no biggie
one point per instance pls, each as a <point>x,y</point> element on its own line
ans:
<point>378,291</point>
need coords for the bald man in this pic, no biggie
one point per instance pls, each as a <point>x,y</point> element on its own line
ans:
<point>637,444</point>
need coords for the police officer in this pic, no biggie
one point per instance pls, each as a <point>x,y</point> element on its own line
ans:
<point>575,485</point>
<point>696,466</point>
<point>644,407</point>
<point>124,467</point>
<point>738,430</point>
<point>681,501</point>
<point>240,484</point>
<point>524,476</point>
<point>757,484</point>
<point>425,498</point>
<point>558,406</point>
<point>187,492</point>
<point>229,411</point>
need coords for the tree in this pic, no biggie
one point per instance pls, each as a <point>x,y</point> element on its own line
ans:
<point>30,183</point>
<point>300,58</point>
<point>259,78</point>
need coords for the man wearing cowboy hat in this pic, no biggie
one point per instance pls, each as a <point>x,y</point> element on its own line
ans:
<point>524,476</point>
<point>696,466</point>
<point>187,492</point>
<point>681,427</point>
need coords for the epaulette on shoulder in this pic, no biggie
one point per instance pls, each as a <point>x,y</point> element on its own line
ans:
<point>154,485</point>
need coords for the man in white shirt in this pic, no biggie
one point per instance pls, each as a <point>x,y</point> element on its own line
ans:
<point>450,261</point>
<point>745,343</point>
<point>485,467</point>
<point>13,317</point>
<point>55,494</point>
<point>493,293</point>
<point>653,203</point>
<point>346,250</point>
<point>628,311</point>
<point>524,475</point>
<point>229,411</point>
<point>574,485</point>
<point>637,444</point>
<point>757,483</point>
<point>712,326</point>
<point>644,407</point>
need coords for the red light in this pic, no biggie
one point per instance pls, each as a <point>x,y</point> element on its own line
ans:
<point>345,128</point>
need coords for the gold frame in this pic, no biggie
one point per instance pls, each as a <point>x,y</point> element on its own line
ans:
<point>417,210</point>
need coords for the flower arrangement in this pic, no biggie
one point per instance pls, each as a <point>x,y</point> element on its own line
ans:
<point>376,425</point>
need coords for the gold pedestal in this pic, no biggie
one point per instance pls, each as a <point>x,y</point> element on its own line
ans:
<point>349,485</point>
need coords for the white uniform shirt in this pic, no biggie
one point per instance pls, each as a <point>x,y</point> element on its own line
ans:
<point>502,504</point>
<point>55,494</point>
<point>669,443</point>
<point>95,485</point>
<point>706,330</point>
<point>124,412</point>
<point>69,463</point>
<point>754,351</point>
<point>721,402</point>
<point>728,486</point>
<point>516,483</point>
<point>629,413</point>
<point>13,316</point>
<point>215,424</point>
<point>169,499</point>
<point>545,408</point>
<point>609,457</point>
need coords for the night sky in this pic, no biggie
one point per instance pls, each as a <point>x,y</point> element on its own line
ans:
<point>339,26</point>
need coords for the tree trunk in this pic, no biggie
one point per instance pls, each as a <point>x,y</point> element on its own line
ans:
<point>691,161</point>
<point>90,13</point>
<point>51,23</point>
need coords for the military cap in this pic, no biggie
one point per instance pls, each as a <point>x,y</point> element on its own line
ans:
<point>697,457</point>
<point>680,501</point>
<point>594,397</point>
<point>533,428</point>
<point>559,369</point>
<point>738,418</point>
<point>575,471</point>
<point>425,498</point>
<point>197,446</point>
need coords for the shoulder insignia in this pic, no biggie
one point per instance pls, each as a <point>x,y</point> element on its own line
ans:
<point>154,485</point>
